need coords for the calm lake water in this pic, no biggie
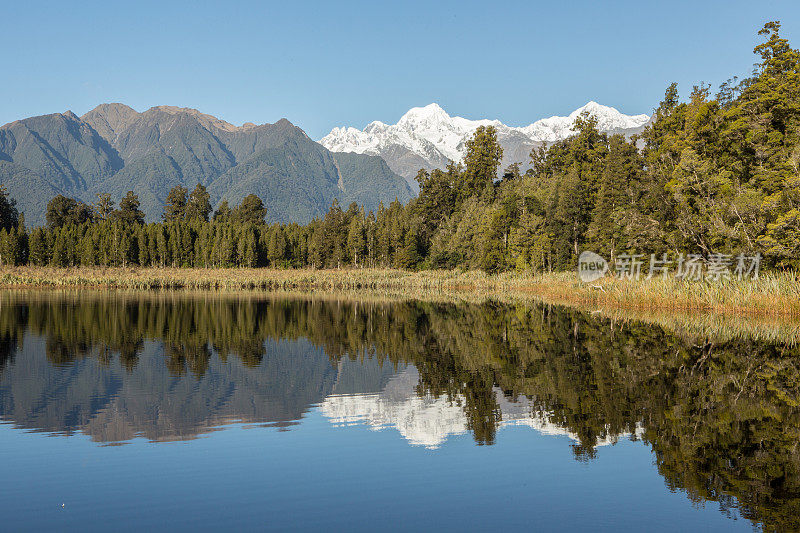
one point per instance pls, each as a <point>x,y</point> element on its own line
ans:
<point>167,411</point>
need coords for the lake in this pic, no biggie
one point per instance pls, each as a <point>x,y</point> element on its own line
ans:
<point>129,411</point>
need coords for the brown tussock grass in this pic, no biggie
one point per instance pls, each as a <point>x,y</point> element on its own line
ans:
<point>773,294</point>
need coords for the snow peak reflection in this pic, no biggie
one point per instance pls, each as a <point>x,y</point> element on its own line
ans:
<point>691,267</point>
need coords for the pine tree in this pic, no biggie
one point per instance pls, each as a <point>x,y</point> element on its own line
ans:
<point>38,249</point>
<point>356,239</point>
<point>223,212</point>
<point>276,249</point>
<point>188,236</point>
<point>317,245</point>
<point>143,246</point>
<point>9,216</point>
<point>162,243</point>
<point>60,257</point>
<point>409,256</point>
<point>249,251</point>
<point>6,257</point>
<point>86,250</point>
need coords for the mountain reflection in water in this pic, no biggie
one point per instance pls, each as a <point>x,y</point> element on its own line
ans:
<point>721,413</point>
<point>427,420</point>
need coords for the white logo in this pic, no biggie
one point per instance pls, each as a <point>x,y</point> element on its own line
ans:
<point>591,267</point>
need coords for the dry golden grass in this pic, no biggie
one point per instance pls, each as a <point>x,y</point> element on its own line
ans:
<point>244,278</point>
<point>771,295</point>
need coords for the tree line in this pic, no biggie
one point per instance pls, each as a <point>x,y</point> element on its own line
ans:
<point>712,175</point>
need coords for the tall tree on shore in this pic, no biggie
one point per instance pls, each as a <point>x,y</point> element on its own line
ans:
<point>199,204</point>
<point>250,210</point>
<point>356,238</point>
<point>223,212</point>
<point>103,207</point>
<point>482,160</point>
<point>9,216</point>
<point>175,207</point>
<point>62,210</point>
<point>129,209</point>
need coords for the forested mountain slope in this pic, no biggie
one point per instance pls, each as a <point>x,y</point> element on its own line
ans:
<point>113,149</point>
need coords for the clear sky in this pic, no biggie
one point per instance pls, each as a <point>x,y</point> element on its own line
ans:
<point>338,62</point>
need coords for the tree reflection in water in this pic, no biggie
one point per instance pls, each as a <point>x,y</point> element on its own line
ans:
<point>721,412</point>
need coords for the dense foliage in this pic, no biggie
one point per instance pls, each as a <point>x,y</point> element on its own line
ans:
<point>712,175</point>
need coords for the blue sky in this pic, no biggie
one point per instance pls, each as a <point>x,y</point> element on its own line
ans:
<point>332,63</point>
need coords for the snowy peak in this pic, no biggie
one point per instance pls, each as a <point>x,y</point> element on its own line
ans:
<point>609,118</point>
<point>430,114</point>
<point>427,137</point>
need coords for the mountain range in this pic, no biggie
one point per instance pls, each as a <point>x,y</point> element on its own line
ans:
<point>427,137</point>
<point>114,149</point>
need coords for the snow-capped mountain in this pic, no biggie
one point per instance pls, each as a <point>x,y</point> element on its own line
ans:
<point>427,137</point>
<point>428,421</point>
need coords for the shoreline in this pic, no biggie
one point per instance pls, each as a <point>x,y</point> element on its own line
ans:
<point>774,294</point>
